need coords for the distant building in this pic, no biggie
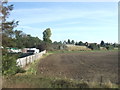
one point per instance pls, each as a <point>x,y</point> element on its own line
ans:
<point>13,50</point>
<point>30,50</point>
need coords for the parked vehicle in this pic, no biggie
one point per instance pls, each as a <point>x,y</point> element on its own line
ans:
<point>33,50</point>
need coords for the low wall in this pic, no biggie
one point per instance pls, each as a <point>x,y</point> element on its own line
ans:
<point>22,62</point>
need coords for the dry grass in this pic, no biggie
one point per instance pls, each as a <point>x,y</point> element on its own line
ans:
<point>77,48</point>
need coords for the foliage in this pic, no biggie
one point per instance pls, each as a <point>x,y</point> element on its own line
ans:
<point>68,41</point>
<point>86,44</point>
<point>115,45</point>
<point>7,26</point>
<point>51,46</point>
<point>11,38</point>
<point>80,43</point>
<point>72,42</point>
<point>102,44</point>
<point>46,35</point>
<point>9,65</point>
<point>44,46</point>
<point>109,47</point>
<point>94,46</point>
<point>30,42</point>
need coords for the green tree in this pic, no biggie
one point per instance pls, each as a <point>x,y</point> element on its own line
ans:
<point>94,46</point>
<point>7,26</point>
<point>64,42</point>
<point>69,41</point>
<point>46,35</point>
<point>72,42</point>
<point>86,44</point>
<point>102,44</point>
<point>81,43</point>
<point>109,47</point>
<point>9,65</point>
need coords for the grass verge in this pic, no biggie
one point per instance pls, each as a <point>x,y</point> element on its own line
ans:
<point>66,51</point>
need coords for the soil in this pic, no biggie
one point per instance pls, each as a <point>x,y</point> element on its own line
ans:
<point>89,66</point>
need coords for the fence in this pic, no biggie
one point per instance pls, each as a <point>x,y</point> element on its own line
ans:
<point>22,62</point>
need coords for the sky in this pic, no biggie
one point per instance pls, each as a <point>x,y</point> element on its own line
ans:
<point>79,21</point>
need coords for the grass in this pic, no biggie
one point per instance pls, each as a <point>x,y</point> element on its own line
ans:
<point>39,81</point>
<point>66,51</point>
<point>31,79</point>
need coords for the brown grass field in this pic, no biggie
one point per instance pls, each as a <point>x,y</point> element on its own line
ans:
<point>77,48</point>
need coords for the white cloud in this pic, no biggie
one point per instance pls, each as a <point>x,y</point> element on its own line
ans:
<point>40,15</point>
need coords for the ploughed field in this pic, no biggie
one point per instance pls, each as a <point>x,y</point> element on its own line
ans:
<point>88,66</point>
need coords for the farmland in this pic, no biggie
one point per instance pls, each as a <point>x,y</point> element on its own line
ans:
<point>88,66</point>
<point>69,70</point>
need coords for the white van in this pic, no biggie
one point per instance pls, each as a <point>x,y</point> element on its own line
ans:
<point>33,50</point>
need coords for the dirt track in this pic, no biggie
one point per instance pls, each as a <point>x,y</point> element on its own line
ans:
<point>89,66</point>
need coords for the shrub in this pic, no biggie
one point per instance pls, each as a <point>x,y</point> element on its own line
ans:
<point>43,46</point>
<point>51,46</point>
<point>68,84</point>
<point>9,65</point>
<point>94,47</point>
<point>109,47</point>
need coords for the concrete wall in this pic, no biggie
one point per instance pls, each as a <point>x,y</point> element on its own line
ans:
<point>22,62</point>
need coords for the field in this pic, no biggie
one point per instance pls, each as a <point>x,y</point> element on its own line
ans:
<point>77,48</point>
<point>89,66</point>
<point>64,69</point>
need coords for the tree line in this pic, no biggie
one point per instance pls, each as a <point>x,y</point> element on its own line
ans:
<point>93,46</point>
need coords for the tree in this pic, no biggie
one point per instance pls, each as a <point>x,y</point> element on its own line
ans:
<point>9,65</point>
<point>7,27</point>
<point>86,43</point>
<point>115,45</point>
<point>76,43</point>
<point>109,47</point>
<point>102,44</point>
<point>46,35</point>
<point>64,42</point>
<point>94,46</point>
<point>72,42</point>
<point>68,41</point>
<point>81,43</point>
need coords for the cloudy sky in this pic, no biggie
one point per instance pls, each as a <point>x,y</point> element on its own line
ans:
<point>80,21</point>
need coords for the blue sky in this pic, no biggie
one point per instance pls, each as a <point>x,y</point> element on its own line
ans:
<point>80,21</point>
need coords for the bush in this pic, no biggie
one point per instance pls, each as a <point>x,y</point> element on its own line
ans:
<point>68,84</point>
<point>94,47</point>
<point>9,65</point>
<point>109,47</point>
<point>51,46</point>
<point>44,46</point>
